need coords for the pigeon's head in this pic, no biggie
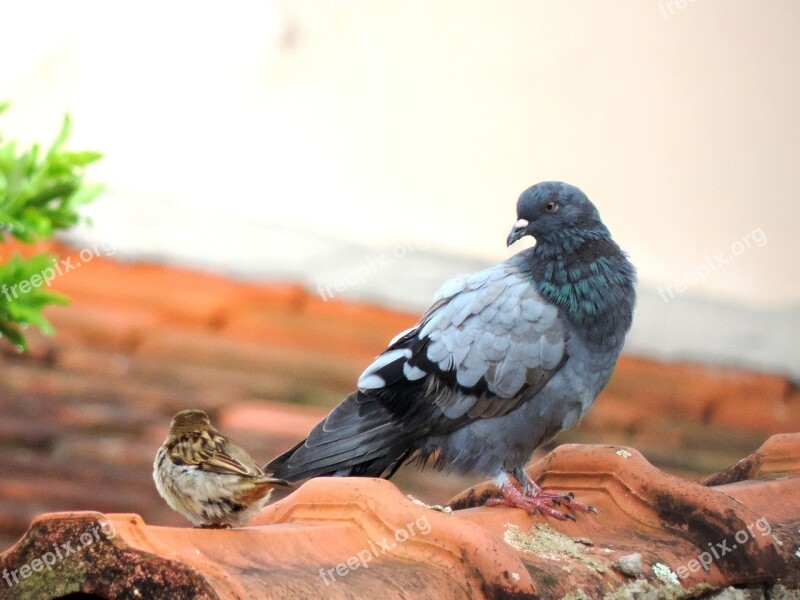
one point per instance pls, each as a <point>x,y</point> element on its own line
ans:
<point>553,210</point>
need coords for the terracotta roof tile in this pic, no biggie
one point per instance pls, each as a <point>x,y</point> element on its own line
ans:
<point>654,534</point>
<point>85,410</point>
<point>269,419</point>
<point>198,348</point>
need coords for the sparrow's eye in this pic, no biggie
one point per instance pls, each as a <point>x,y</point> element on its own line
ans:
<point>550,207</point>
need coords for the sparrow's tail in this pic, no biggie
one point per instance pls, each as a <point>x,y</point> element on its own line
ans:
<point>257,489</point>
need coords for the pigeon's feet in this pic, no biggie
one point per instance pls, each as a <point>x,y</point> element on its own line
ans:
<point>534,499</point>
<point>532,490</point>
<point>532,504</point>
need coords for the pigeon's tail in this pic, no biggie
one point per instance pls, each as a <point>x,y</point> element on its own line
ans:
<point>360,437</point>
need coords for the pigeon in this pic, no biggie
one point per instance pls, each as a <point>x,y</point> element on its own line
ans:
<point>503,360</point>
<point>207,478</point>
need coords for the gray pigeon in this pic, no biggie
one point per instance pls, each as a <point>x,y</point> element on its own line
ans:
<point>501,362</point>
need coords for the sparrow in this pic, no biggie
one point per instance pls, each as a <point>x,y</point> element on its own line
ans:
<point>501,362</point>
<point>206,477</point>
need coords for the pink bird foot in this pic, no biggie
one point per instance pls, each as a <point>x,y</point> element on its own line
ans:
<point>534,499</point>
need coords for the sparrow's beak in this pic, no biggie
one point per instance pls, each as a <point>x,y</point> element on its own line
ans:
<point>520,229</point>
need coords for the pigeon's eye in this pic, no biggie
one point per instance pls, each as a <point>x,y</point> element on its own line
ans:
<point>550,207</point>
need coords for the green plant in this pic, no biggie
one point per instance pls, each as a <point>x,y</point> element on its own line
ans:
<point>40,193</point>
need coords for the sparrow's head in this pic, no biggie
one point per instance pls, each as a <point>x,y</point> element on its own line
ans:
<point>188,421</point>
<point>551,210</point>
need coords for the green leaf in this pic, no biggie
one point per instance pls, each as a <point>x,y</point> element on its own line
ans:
<point>40,193</point>
<point>62,136</point>
<point>80,159</point>
<point>41,299</point>
<point>60,189</point>
<point>31,316</point>
<point>85,194</point>
<point>11,331</point>
<point>38,222</point>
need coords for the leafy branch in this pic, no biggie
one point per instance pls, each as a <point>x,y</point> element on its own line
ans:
<point>40,193</point>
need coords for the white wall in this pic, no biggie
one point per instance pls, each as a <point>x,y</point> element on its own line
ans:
<point>421,121</point>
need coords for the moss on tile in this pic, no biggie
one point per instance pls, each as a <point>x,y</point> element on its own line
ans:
<point>546,542</point>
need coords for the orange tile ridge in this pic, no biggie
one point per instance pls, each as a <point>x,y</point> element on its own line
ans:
<point>343,538</point>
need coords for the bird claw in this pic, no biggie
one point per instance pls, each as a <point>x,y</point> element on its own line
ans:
<point>537,502</point>
<point>587,508</point>
<point>534,499</point>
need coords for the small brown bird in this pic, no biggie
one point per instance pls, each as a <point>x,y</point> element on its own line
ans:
<point>206,477</point>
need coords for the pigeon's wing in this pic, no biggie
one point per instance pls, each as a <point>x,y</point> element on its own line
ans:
<point>213,453</point>
<point>489,342</point>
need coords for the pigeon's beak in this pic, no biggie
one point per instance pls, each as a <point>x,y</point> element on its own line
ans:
<point>520,229</point>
